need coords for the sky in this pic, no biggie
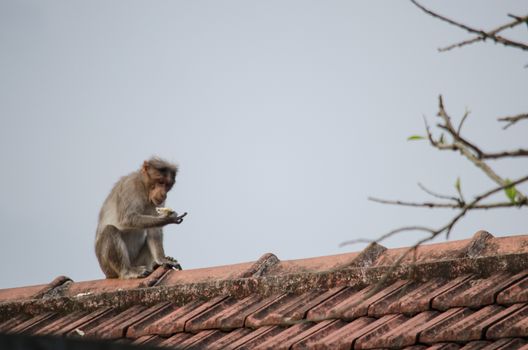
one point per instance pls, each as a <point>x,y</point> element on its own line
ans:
<point>284,116</point>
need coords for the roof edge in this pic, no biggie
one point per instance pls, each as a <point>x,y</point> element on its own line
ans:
<point>267,285</point>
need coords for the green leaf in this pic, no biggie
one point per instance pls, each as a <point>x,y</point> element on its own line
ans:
<point>415,137</point>
<point>511,191</point>
<point>457,185</point>
<point>441,140</point>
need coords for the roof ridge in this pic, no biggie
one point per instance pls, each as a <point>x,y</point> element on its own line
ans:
<point>482,255</point>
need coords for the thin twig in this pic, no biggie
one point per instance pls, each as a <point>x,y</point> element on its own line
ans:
<point>437,195</point>
<point>466,114</point>
<point>512,120</point>
<point>443,205</point>
<point>386,235</point>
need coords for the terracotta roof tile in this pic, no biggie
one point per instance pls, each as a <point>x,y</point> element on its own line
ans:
<point>11,323</point>
<point>468,294</point>
<point>32,323</point>
<point>114,327</point>
<point>344,336</point>
<point>253,339</point>
<point>514,323</point>
<point>229,338</point>
<point>506,344</point>
<point>371,338</point>
<point>517,293</point>
<point>286,338</point>
<point>205,274</point>
<point>151,340</point>
<point>21,293</point>
<point>77,328</point>
<point>351,303</point>
<point>407,333</point>
<point>234,316</point>
<point>176,340</point>
<point>171,319</point>
<point>201,339</point>
<point>471,327</point>
<point>476,345</point>
<point>62,325</point>
<point>287,308</point>
<point>436,327</point>
<point>444,346</point>
<point>317,331</point>
<point>476,292</point>
<point>419,296</point>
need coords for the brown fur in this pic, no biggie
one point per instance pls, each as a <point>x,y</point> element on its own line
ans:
<point>129,237</point>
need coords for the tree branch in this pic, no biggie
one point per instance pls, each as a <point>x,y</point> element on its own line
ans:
<point>448,226</point>
<point>443,205</point>
<point>481,34</point>
<point>468,149</point>
<point>512,120</point>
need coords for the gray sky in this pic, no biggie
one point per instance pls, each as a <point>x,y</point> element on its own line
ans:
<point>283,115</point>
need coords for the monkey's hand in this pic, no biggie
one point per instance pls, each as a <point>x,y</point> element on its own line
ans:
<point>177,219</point>
<point>170,262</point>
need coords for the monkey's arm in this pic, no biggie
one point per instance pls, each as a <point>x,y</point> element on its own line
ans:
<point>136,220</point>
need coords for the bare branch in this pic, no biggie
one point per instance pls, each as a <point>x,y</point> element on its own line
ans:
<point>403,229</point>
<point>447,228</point>
<point>355,241</point>
<point>443,205</point>
<point>512,120</point>
<point>468,149</point>
<point>387,235</point>
<point>479,153</point>
<point>506,154</point>
<point>481,34</point>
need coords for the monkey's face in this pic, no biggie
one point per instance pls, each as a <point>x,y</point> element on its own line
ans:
<point>160,183</point>
<point>158,194</point>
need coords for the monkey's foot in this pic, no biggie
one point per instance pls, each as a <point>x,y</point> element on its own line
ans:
<point>172,263</point>
<point>136,272</point>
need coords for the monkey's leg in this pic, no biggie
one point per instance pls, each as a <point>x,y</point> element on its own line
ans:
<point>113,256</point>
<point>155,244</point>
<point>145,258</point>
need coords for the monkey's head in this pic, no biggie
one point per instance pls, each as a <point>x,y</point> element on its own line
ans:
<point>158,176</point>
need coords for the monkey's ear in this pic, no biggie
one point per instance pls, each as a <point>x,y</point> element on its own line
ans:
<point>145,167</point>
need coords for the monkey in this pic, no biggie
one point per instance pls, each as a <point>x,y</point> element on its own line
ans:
<point>129,236</point>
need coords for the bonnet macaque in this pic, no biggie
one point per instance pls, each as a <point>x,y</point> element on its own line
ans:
<point>129,238</point>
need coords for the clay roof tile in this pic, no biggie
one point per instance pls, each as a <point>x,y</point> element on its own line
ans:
<point>468,294</point>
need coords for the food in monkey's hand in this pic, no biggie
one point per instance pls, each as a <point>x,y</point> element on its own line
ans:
<point>164,211</point>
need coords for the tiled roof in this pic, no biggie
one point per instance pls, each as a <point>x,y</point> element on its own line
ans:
<point>469,294</point>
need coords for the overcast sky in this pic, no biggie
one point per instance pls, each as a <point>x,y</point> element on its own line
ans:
<point>284,116</point>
